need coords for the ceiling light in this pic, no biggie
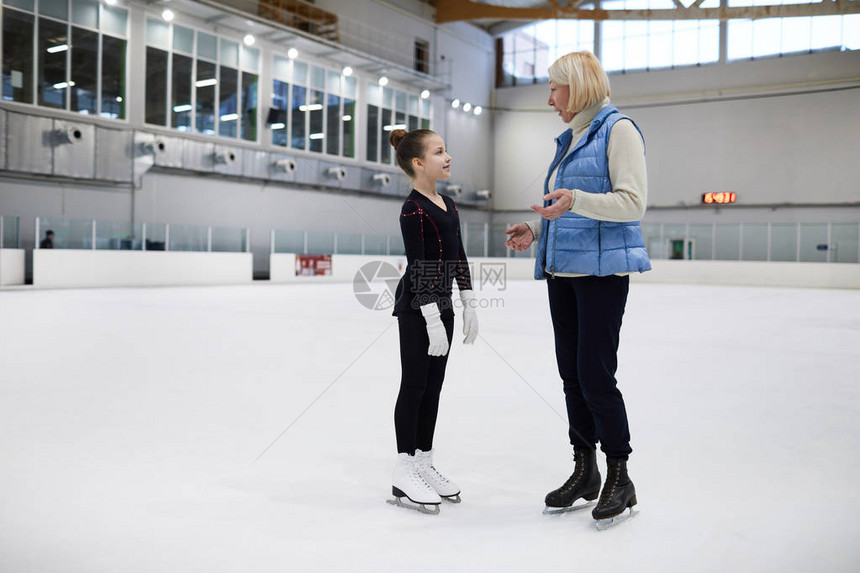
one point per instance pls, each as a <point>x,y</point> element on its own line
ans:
<point>383,81</point>
<point>478,109</point>
<point>425,94</point>
<point>292,53</point>
<point>167,15</point>
<point>347,71</point>
<point>205,83</point>
<point>249,39</point>
<point>455,104</point>
<point>58,48</point>
<point>347,118</point>
<point>110,2</point>
<point>467,106</point>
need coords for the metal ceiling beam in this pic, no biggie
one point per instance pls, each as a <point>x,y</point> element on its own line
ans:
<point>459,10</point>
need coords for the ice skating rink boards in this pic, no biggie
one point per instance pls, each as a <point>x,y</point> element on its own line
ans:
<point>132,423</point>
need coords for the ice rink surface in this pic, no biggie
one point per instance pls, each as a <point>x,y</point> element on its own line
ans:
<point>132,423</point>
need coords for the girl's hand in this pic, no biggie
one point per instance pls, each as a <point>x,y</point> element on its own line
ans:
<point>557,209</point>
<point>521,237</point>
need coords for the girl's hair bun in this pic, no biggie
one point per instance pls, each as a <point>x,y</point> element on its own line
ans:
<point>396,137</point>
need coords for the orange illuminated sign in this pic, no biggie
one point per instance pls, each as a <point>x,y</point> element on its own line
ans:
<point>718,198</point>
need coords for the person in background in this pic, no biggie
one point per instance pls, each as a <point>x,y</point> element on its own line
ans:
<point>48,241</point>
<point>430,225</point>
<point>588,243</point>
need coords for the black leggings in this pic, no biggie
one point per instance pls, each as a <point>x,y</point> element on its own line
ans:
<point>420,384</point>
<point>586,317</point>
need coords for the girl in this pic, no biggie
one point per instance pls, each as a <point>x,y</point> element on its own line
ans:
<point>434,251</point>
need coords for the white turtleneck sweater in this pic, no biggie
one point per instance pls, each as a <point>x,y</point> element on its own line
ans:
<point>625,153</point>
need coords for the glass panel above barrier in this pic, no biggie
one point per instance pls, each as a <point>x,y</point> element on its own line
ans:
<point>68,233</point>
<point>653,237</point>
<point>152,235</point>
<point>813,243</point>
<point>496,246</point>
<point>228,240</point>
<point>375,245</point>
<point>395,245</point>
<point>845,242</point>
<point>702,239</point>
<point>320,243</point>
<point>188,238</point>
<point>474,239</point>
<point>728,239</point>
<point>9,237</point>
<point>348,244</point>
<point>675,241</point>
<point>754,242</point>
<point>289,241</point>
<point>116,236</point>
<point>783,242</point>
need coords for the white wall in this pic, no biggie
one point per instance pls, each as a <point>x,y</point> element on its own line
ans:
<point>744,127</point>
<point>11,267</point>
<point>749,273</point>
<point>66,268</point>
<point>486,272</point>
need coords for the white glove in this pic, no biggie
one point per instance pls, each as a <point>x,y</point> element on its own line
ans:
<point>470,317</point>
<point>435,330</point>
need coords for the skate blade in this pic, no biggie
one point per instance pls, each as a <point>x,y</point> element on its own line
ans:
<point>610,522</point>
<point>559,510</point>
<point>452,498</point>
<point>430,509</point>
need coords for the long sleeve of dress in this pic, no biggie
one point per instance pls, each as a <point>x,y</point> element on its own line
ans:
<point>425,274</point>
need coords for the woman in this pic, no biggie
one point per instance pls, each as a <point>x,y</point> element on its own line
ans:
<point>435,258</point>
<point>589,241</point>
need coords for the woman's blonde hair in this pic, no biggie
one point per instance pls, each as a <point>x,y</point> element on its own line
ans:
<point>585,76</point>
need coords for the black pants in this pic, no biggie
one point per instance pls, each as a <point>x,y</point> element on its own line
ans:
<point>586,317</point>
<point>420,384</point>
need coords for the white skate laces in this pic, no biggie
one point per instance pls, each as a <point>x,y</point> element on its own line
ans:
<point>408,483</point>
<point>443,486</point>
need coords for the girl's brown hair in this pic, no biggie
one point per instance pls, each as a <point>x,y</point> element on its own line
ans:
<point>408,145</point>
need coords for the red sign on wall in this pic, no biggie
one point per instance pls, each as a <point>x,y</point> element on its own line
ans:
<point>719,198</point>
<point>313,265</point>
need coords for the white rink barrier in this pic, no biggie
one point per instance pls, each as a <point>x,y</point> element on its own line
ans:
<point>11,267</point>
<point>753,273</point>
<point>283,268</point>
<point>67,268</point>
<point>490,270</point>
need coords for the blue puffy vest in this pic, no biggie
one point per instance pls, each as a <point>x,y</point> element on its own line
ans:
<point>576,244</point>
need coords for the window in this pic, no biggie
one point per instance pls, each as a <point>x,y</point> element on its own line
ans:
<point>422,56</point>
<point>17,56</point>
<point>524,54</point>
<point>69,39</point>
<point>527,52</point>
<point>777,36</point>
<point>389,109</point>
<point>199,82</point>
<point>316,106</point>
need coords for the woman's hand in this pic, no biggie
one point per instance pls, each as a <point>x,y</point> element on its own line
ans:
<point>521,237</point>
<point>557,209</point>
